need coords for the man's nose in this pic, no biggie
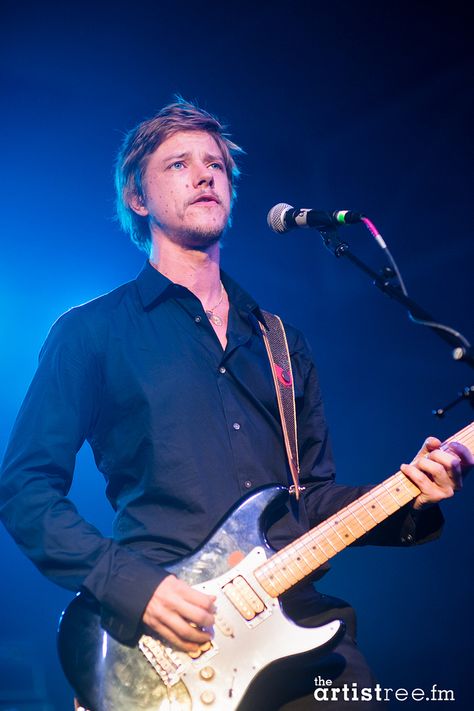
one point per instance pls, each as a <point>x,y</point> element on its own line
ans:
<point>203,177</point>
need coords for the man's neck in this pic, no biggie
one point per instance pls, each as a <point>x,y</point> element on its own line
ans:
<point>197,270</point>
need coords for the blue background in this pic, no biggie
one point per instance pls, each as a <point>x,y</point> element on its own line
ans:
<point>362,105</point>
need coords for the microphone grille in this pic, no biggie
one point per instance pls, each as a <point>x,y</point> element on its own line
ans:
<point>275,217</point>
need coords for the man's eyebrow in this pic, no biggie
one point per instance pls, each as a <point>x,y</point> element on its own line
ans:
<point>175,156</point>
<point>214,156</point>
<point>181,156</point>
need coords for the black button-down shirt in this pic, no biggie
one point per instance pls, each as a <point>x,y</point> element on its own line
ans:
<point>180,428</point>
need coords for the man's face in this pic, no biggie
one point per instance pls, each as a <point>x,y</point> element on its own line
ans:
<point>187,195</point>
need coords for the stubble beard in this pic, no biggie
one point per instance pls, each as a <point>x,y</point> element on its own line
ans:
<point>198,236</point>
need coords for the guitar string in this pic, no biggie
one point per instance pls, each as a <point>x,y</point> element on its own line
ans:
<point>357,507</point>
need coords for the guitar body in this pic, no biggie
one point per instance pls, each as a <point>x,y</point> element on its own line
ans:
<point>251,633</point>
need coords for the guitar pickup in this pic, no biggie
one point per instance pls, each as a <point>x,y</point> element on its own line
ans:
<point>223,626</point>
<point>244,598</point>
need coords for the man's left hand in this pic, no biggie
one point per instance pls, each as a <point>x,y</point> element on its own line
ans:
<point>436,472</point>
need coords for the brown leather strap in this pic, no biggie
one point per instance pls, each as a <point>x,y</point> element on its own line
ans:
<point>276,344</point>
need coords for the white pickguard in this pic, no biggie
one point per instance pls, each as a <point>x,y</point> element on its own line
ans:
<point>236,660</point>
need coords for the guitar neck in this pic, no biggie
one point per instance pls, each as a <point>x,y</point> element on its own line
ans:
<point>293,563</point>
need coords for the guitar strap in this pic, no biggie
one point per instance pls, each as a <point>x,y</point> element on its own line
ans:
<point>274,337</point>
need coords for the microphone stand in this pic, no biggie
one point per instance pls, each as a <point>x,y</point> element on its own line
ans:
<point>459,353</point>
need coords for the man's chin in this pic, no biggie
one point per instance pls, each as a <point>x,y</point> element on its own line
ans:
<point>199,238</point>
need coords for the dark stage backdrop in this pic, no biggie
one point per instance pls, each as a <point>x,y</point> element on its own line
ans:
<point>362,105</point>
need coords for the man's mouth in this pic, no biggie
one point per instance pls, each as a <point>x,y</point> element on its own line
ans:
<point>206,198</point>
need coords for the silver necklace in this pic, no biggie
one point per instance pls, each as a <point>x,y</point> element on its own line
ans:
<point>214,318</point>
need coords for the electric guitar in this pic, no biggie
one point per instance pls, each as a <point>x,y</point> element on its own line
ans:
<point>251,631</point>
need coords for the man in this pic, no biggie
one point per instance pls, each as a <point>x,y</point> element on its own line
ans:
<point>168,379</point>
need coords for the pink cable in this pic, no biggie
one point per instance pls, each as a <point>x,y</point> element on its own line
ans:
<point>374,232</point>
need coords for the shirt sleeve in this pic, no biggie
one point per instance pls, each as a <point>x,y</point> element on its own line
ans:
<point>56,417</point>
<point>323,497</point>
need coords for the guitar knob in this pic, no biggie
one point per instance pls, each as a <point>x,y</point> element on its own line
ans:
<point>208,697</point>
<point>207,673</point>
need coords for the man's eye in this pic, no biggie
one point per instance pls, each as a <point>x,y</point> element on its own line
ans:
<point>177,165</point>
<point>217,166</point>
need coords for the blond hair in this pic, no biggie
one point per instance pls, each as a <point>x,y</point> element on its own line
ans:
<point>143,140</point>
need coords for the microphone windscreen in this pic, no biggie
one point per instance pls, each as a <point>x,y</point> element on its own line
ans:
<point>275,217</point>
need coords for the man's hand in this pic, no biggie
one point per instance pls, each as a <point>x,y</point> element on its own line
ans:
<point>179,613</point>
<point>438,473</point>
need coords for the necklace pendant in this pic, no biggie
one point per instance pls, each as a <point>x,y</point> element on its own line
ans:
<point>214,318</point>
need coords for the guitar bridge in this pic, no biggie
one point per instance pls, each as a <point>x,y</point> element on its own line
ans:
<point>163,660</point>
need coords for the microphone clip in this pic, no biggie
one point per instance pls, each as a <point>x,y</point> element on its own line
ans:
<point>332,242</point>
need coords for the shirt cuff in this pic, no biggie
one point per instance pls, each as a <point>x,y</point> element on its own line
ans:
<point>123,583</point>
<point>421,526</point>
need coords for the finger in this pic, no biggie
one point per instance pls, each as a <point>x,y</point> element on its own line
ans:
<point>452,466</point>
<point>170,636</point>
<point>159,613</point>
<point>465,454</point>
<point>429,445</point>
<point>178,601</point>
<point>175,588</point>
<point>196,597</point>
<point>181,628</point>
<point>430,492</point>
<point>434,471</point>
<point>195,614</point>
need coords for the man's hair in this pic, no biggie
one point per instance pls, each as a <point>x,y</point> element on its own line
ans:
<point>143,140</point>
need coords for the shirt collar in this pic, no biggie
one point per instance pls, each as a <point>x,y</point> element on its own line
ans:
<point>154,286</point>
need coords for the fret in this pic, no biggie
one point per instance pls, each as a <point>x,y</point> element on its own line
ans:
<point>326,545</point>
<point>312,537</point>
<point>410,488</point>
<point>388,505</point>
<point>353,523</point>
<point>277,577</point>
<point>341,529</point>
<point>374,510</point>
<point>267,584</point>
<point>286,567</point>
<point>300,562</point>
<point>365,519</point>
<point>312,550</point>
<point>398,490</point>
<point>269,574</point>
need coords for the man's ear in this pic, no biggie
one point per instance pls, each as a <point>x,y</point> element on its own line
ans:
<point>136,202</point>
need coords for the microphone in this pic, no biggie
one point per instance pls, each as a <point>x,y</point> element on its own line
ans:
<point>284,217</point>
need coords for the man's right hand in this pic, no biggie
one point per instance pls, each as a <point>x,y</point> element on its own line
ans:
<point>179,613</point>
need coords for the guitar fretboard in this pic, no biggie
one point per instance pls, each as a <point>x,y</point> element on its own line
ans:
<point>297,560</point>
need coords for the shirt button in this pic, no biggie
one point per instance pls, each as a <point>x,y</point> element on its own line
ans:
<point>236,426</point>
<point>247,484</point>
<point>197,319</point>
<point>222,370</point>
